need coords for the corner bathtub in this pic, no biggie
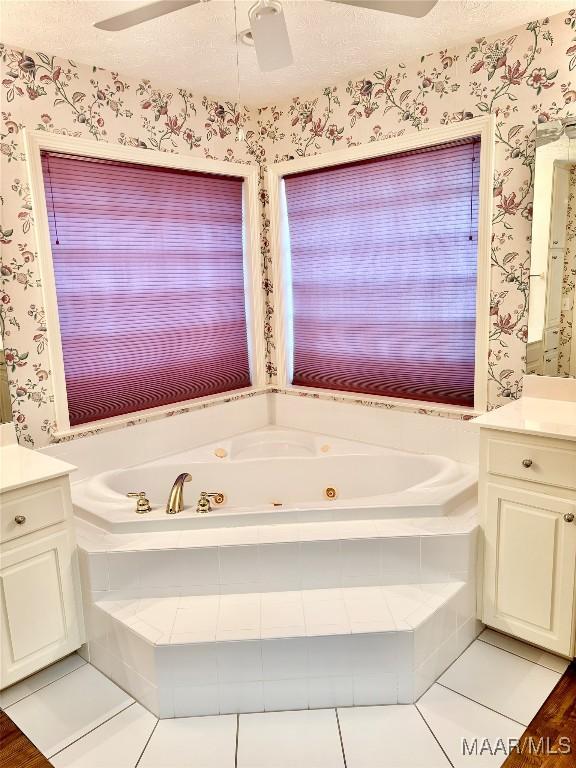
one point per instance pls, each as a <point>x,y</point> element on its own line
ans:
<point>278,476</point>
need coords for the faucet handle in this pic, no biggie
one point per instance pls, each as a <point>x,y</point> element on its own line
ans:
<point>143,504</point>
<point>203,504</point>
<point>217,496</point>
<point>204,500</point>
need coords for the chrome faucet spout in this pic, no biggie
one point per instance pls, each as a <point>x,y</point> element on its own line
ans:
<point>176,498</point>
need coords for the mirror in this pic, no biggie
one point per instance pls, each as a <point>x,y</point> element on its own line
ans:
<point>552,320</point>
<point>5,405</point>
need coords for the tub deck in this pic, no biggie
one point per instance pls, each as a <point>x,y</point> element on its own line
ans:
<point>274,476</point>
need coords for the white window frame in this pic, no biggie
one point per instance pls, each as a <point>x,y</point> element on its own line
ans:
<point>482,127</point>
<point>35,143</point>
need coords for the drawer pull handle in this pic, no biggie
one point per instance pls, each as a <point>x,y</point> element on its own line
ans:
<point>527,463</point>
<point>568,517</point>
<point>19,519</point>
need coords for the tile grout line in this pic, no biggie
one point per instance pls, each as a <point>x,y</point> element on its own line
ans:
<point>71,672</point>
<point>456,692</point>
<point>237,738</point>
<point>340,735</point>
<point>137,763</point>
<point>434,735</point>
<point>91,730</point>
<point>470,644</point>
<point>518,656</point>
<point>171,632</point>
<point>481,705</point>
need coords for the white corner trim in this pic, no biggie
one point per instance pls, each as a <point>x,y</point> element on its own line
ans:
<point>480,126</point>
<point>35,142</point>
<point>487,134</point>
<point>255,312</point>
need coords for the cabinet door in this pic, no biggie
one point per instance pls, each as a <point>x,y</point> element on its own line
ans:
<point>559,207</point>
<point>554,287</point>
<point>529,566</point>
<point>38,606</point>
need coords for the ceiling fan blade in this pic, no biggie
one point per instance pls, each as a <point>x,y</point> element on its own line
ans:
<point>415,8</point>
<point>270,35</point>
<point>144,13</point>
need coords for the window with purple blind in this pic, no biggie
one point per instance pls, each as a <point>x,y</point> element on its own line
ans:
<point>384,269</point>
<point>149,270</point>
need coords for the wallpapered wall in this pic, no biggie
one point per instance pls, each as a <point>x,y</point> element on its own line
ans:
<point>46,93</point>
<point>568,281</point>
<point>522,77</point>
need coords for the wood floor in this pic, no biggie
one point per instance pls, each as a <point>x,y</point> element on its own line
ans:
<point>548,742</point>
<point>552,731</point>
<point>16,751</point>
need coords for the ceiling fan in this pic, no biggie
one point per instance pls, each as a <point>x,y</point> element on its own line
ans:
<point>267,23</point>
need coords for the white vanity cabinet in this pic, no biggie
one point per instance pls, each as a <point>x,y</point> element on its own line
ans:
<point>40,607</point>
<point>528,498</point>
<point>527,494</point>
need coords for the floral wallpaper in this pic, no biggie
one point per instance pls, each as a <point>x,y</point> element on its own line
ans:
<point>42,92</point>
<point>523,77</point>
<point>568,281</point>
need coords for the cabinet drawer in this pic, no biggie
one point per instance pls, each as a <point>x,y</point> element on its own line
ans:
<point>40,507</point>
<point>550,366</point>
<point>551,337</point>
<point>546,464</point>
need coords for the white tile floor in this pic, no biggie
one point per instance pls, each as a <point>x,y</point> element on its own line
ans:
<point>79,719</point>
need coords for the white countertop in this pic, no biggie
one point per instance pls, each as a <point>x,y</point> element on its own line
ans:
<point>22,466</point>
<point>534,416</point>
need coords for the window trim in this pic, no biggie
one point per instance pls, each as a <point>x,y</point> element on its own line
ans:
<point>36,141</point>
<point>483,127</point>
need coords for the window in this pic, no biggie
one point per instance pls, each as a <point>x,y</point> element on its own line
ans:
<point>383,263</point>
<point>149,274</point>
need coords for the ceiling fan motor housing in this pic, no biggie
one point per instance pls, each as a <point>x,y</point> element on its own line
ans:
<point>270,35</point>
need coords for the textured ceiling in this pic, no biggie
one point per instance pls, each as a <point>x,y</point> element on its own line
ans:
<point>194,47</point>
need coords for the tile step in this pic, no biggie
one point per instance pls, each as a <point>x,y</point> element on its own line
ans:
<point>93,539</point>
<point>168,621</point>
<point>269,651</point>
<point>276,567</point>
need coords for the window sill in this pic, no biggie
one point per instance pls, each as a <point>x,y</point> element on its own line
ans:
<point>375,401</point>
<point>139,417</point>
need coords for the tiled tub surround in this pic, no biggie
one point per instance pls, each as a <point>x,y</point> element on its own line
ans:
<point>143,442</point>
<point>377,425</point>
<point>276,617</point>
<point>252,612</point>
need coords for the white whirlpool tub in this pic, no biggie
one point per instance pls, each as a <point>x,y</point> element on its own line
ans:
<point>275,475</point>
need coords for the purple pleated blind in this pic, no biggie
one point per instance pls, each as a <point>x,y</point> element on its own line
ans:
<point>149,275</point>
<point>384,263</point>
